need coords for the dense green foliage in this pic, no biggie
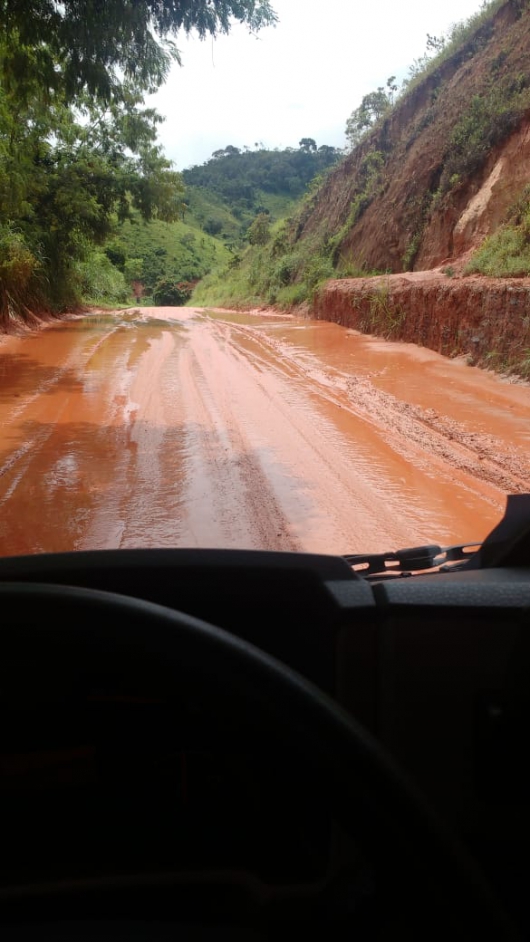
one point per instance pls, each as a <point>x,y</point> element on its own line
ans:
<point>278,267</point>
<point>66,175</point>
<point>217,216</point>
<point>99,281</point>
<point>78,151</point>
<point>218,223</point>
<point>148,253</point>
<point>172,293</point>
<point>239,175</point>
<point>212,214</point>
<point>226,193</point>
<point>281,271</point>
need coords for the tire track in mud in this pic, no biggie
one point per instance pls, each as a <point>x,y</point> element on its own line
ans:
<point>439,436</point>
<point>30,408</point>
<point>333,487</point>
<point>59,423</point>
<point>425,436</point>
<point>180,428</point>
<point>229,494</point>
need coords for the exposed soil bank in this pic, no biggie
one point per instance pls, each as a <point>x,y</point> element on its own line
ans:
<point>485,319</point>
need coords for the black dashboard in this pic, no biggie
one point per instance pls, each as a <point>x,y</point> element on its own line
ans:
<point>435,667</point>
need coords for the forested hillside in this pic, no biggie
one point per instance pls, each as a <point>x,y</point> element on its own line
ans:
<point>226,193</point>
<point>154,255</point>
<point>225,202</point>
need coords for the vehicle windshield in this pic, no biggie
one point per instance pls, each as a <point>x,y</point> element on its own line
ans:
<point>293,316</point>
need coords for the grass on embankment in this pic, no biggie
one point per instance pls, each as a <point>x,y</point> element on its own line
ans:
<point>282,272</point>
<point>506,253</point>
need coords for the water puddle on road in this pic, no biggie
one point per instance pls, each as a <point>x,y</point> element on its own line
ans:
<point>419,377</point>
<point>175,427</point>
<point>464,433</point>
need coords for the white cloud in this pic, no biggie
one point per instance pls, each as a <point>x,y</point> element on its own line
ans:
<point>300,79</point>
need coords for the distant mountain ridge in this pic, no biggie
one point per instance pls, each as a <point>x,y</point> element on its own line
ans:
<point>225,193</point>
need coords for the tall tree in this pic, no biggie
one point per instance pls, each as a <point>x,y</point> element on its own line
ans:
<point>372,108</point>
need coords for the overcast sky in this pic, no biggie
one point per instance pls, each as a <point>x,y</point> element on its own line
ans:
<point>301,78</point>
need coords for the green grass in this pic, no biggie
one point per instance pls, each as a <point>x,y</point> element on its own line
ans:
<point>505,254</point>
<point>278,204</point>
<point>177,250</point>
<point>211,213</point>
<point>285,272</point>
<point>208,211</point>
<point>223,289</point>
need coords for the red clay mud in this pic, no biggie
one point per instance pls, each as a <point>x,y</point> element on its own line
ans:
<point>179,427</point>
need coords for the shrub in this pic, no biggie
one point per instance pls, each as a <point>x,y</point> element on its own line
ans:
<point>19,271</point>
<point>259,232</point>
<point>172,293</point>
<point>488,120</point>
<point>99,280</point>
<point>411,252</point>
<point>504,254</point>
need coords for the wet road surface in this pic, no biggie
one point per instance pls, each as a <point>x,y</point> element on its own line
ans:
<point>178,427</point>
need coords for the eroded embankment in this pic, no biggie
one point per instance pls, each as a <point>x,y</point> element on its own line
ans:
<point>486,319</point>
<point>38,320</point>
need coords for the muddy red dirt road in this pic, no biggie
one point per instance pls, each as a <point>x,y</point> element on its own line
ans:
<point>178,427</point>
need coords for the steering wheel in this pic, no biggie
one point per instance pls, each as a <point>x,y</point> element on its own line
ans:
<point>65,629</point>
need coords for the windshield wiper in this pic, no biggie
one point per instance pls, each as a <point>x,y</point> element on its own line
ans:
<point>405,562</point>
<point>508,544</point>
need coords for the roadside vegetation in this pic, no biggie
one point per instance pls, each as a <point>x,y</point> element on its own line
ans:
<point>277,267</point>
<point>506,253</point>
<point>148,254</point>
<point>271,271</point>
<point>78,148</point>
<point>92,211</point>
<point>69,170</point>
